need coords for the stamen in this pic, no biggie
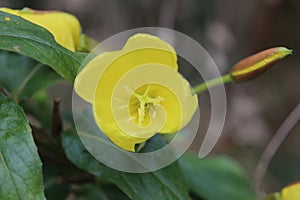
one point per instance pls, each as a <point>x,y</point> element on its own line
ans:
<point>145,104</point>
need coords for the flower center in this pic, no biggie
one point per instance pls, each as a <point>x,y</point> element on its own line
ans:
<point>143,104</point>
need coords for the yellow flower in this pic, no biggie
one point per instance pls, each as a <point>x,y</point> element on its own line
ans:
<point>64,27</point>
<point>137,92</point>
<point>291,192</point>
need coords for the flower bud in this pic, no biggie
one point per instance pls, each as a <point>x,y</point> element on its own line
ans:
<point>251,67</point>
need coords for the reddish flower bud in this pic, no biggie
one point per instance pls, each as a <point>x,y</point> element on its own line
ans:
<point>251,67</point>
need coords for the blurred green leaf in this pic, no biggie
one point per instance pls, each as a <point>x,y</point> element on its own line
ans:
<point>23,37</point>
<point>103,191</point>
<point>53,189</point>
<point>20,165</point>
<point>275,196</point>
<point>113,192</point>
<point>167,183</point>
<point>23,76</point>
<point>57,191</point>
<point>39,106</point>
<point>216,178</point>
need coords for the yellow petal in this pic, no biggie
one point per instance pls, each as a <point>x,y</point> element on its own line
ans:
<point>179,114</point>
<point>87,80</point>
<point>64,27</point>
<point>291,192</point>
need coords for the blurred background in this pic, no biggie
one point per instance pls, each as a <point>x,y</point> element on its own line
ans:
<point>229,30</point>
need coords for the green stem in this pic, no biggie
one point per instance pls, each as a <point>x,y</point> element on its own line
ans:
<point>212,83</point>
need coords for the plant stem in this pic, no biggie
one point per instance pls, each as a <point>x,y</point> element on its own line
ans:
<point>4,91</point>
<point>274,144</point>
<point>57,123</point>
<point>212,83</point>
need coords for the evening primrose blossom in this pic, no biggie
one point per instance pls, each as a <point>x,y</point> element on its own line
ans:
<point>137,92</point>
<point>63,26</point>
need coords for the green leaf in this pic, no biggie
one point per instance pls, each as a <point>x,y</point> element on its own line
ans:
<point>20,165</point>
<point>23,37</point>
<point>167,183</point>
<point>216,178</point>
<point>23,76</point>
<point>101,191</point>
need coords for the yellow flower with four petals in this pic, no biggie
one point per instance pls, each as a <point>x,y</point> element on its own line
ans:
<point>137,92</point>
